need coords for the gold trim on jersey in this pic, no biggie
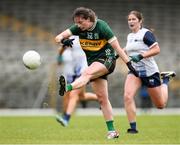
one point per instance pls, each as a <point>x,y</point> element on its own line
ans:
<point>92,45</point>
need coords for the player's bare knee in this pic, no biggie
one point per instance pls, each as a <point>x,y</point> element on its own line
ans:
<point>128,98</point>
<point>161,106</point>
<point>101,100</point>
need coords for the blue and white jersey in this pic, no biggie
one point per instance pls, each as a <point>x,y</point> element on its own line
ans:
<point>141,42</point>
<point>74,60</point>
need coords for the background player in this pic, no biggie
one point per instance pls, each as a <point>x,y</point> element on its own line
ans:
<point>74,63</point>
<point>142,46</point>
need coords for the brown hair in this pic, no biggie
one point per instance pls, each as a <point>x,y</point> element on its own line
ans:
<point>139,15</point>
<point>84,13</point>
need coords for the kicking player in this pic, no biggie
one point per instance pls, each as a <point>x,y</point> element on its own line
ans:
<point>141,47</point>
<point>99,44</point>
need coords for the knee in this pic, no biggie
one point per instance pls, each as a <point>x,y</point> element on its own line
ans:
<point>128,98</point>
<point>101,99</point>
<point>161,106</point>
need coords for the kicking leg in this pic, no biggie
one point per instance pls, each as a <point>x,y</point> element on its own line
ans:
<point>95,70</point>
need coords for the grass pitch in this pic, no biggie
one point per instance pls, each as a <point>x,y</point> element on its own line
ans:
<point>88,130</point>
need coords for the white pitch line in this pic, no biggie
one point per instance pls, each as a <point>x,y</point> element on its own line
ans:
<point>86,112</point>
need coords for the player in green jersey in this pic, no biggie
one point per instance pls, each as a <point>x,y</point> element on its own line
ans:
<point>99,44</point>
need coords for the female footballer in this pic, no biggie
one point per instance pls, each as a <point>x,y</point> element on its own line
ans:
<point>141,47</point>
<point>99,44</point>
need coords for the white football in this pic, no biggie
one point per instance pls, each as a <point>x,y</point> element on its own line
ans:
<point>31,59</point>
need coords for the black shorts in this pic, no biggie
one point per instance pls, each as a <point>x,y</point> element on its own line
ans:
<point>151,81</point>
<point>109,63</point>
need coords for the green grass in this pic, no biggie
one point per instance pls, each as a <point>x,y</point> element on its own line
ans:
<point>88,130</point>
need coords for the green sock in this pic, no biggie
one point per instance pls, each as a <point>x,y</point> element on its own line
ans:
<point>69,87</point>
<point>110,125</point>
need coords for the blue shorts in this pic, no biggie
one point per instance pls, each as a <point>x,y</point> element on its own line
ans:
<point>151,81</point>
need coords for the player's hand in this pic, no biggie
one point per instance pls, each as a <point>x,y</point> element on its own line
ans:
<point>131,68</point>
<point>136,58</point>
<point>67,42</point>
<point>59,59</point>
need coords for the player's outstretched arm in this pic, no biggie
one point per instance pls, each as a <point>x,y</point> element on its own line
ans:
<point>63,35</point>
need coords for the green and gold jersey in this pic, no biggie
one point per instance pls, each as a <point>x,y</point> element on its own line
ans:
<point>94,42</point>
